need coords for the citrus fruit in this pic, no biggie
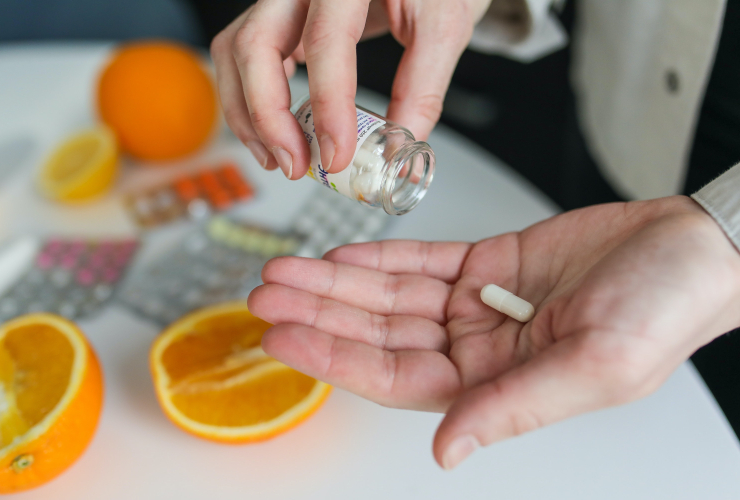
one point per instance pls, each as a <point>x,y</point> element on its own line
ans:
<point>82,167</point>
<point>213,379</point>
<point>51,392</point>
<point>159,100</point>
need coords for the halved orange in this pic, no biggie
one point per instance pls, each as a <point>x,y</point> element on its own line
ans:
<point>51,393</point>
<point>213,379</point>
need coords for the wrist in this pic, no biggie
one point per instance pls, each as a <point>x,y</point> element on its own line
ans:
<point>724,257</point>
<point>709,256</point>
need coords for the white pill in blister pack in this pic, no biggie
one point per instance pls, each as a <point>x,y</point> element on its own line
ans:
<point>330,221</point>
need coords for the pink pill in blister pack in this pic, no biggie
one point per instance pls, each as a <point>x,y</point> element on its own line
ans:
<point>54,246</point>
<point>77,247</point>
<point>68,261</point>
<point>97,260</point>
<point>120,260</point>
<point>71,277</point>
<point>45,261</point>
<point>85,277</point>
<point>110,275</point>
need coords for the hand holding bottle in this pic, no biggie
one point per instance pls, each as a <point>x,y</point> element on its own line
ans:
<point>250,54</point>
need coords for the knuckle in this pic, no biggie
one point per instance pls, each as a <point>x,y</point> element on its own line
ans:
<point>324,103</point>
<point>321,100</point>
<point>322,32</point>
<point>523,421</point>
<point>321,306</point>
<point>261,114</point>
<point>392,286</point>
<point>454,25</point>
<point>329,367</point>
<point>269,270</point>
<point>430,106</point>
<point>453,32</point>
<point>232,117</point>
<point>315,38</point>
<point>381,330</point>
<point>246,36</point>
<point>390,366</point>
<point>220,44</point>
<point>258,118</point>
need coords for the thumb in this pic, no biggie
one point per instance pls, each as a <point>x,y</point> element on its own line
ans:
<point>567,379</point>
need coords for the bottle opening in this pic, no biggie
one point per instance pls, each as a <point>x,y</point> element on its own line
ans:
<point>404,186</point>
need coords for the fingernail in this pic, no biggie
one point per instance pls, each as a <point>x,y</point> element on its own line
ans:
<point>326,148</point>
<point>285,160</point>
<point>459,450</point>
<point>259,152</point>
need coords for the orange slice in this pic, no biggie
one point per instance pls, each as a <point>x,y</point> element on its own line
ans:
<point>51,393</point>
<point>213,379</point>
<point>82,167</point>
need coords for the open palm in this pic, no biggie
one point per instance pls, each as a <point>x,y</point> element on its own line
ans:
<point>623,294</point>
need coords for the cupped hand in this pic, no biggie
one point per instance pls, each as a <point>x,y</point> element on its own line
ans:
<point>624,293</point>
<point>253,54</point>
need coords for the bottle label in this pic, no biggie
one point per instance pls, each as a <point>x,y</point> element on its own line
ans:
<point>339,182</point>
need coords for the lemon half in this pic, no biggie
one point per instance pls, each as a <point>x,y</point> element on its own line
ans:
<point>82,167</point>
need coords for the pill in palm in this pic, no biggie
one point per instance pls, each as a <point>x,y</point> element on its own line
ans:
<point>507,303</point>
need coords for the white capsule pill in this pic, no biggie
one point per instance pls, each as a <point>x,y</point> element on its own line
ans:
<point>367,183</point>
<point>506,302</point>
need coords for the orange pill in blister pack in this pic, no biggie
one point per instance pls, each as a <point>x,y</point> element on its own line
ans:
<point>211,188</point>
<point>186,189</point>
<point>221,200</point>
<point>209,182</point>
<point>235,182</point>
<point>218,196</point>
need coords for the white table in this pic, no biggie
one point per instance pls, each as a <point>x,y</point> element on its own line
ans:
<point>674,444</point>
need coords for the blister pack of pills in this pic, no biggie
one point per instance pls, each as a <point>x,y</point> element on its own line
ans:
<point>220,261</point>
<point>328,220</point>
<point>194,196</point>
<point>70,277</point>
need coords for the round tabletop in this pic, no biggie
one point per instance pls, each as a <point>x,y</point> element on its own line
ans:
<point>674,444</point>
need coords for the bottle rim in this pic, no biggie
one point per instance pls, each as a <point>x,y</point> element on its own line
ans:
<point>400,202</point>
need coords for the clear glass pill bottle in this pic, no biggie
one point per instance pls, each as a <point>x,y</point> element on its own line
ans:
<point>390,169</point>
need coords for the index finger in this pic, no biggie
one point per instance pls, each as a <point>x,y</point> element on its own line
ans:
<point>440,260</point>
<point>372,291</point>
<point>270,33</point>
<point>332,31</point>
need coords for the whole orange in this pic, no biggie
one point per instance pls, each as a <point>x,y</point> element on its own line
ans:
<point>158,99</point>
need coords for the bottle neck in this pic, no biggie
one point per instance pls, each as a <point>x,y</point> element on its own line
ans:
<point>407,176</point>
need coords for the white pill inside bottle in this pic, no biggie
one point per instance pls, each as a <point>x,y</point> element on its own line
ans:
<point>390,168</point>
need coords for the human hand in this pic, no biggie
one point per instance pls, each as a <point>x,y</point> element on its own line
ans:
<point>249,56</point>
<point>624,293</point>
